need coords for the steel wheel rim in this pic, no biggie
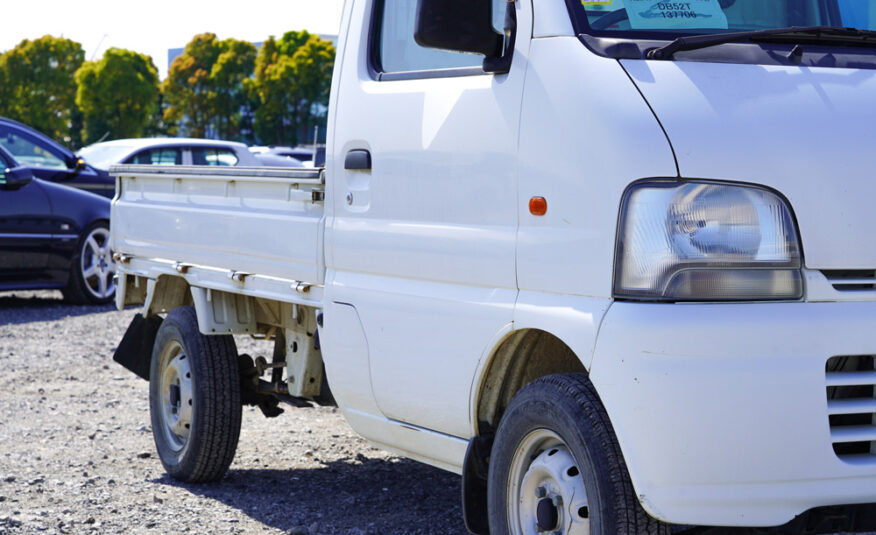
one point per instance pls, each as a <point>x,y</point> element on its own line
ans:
<point>175,395</point>
<point>543,468</point>
<point>96,264</point>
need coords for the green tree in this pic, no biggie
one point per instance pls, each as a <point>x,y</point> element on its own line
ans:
<point>205,91</point>
<point>187,86</point>
<point>292,41</point>
<point>313,63</point>
<point>292,82</point>
<point>229,100</point>
<point>273,84</point>
<point>157,126</point>
<point>117,95</point>
<point>38,86</point>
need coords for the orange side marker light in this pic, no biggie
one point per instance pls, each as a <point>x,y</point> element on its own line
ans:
<point>537,206</point>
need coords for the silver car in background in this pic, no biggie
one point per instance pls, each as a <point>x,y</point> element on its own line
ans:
<point>169,151</point>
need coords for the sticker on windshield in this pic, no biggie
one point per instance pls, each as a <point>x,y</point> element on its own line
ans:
<point>651,15</point>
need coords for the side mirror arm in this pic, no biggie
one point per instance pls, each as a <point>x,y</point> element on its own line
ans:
<point>501,62</point>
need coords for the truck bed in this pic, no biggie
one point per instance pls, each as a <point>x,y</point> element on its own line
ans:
<point>232,226</point>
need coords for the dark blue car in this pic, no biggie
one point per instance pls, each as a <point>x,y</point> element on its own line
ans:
<point>53,237</point>
<point>49,160</point>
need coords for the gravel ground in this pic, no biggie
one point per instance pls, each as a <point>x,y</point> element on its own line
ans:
<point>76,450</point>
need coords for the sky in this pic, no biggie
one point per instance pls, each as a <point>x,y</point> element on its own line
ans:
<point>152,27</point>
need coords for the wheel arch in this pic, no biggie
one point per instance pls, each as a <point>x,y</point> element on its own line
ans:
<point>520,358</point>
<point>218,312</point>
<point>165,293</point>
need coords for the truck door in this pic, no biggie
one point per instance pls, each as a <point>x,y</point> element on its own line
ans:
<point>422,241</point>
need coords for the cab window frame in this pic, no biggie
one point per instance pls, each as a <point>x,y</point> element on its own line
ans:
<point>375,64</point>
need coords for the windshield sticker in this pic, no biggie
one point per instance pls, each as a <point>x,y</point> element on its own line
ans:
<point>651,15</point>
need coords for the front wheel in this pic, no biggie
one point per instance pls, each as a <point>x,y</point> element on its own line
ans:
<point>194,399</point>
<point>556,466</point>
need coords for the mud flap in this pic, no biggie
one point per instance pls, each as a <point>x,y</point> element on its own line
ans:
<point>135,349</point>
<point>474,484</point>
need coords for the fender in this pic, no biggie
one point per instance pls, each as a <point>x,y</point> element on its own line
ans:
<point>573,319</point>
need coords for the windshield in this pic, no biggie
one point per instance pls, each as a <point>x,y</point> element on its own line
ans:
<point>102,156</point>
<point>655,19</point>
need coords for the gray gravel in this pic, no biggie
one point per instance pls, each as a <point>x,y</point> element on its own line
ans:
<point>76,450</point>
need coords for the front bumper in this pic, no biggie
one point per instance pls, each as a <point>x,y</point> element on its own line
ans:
<point>721,409</point>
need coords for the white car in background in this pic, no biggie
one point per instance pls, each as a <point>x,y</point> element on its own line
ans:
<point>168,151</point>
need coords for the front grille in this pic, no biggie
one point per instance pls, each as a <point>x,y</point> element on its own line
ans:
<point>851,406</point>
<point>851,280</point>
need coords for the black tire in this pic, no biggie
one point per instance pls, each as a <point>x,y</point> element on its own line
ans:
<point>197,442</point>
<point>562,412</point>
<point>92,268</point>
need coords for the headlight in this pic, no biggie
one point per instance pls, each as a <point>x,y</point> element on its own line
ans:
<point>701,241</point>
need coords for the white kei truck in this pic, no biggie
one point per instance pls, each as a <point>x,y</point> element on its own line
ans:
<point>612,262</point>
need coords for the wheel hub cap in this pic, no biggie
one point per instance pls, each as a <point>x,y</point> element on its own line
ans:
<point>96,263</point>
<point>176,398</point>
<point>547,515</point>
<point>549,496</point>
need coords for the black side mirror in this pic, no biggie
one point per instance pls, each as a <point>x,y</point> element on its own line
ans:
<point>75,163</point>
<point>16,178</point>
<point>458,25</point>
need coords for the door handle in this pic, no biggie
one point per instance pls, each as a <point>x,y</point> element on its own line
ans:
<point>358,160</point>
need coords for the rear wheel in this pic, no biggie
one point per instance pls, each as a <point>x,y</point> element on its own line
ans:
<point>556,466</point>
<point>194,399</point>
<point>92,269</point>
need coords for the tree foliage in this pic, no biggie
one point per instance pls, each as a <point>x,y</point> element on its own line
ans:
<point>274,77</point>
<point>314,62</point>
<point>117,95</point>
<point>292,83</point>
<point>205,90</point>
<point>230,103</point>
<point>38,88</point>
<point>216,88</point>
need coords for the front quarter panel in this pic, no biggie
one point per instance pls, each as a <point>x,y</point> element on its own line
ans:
<point>586,134</point>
